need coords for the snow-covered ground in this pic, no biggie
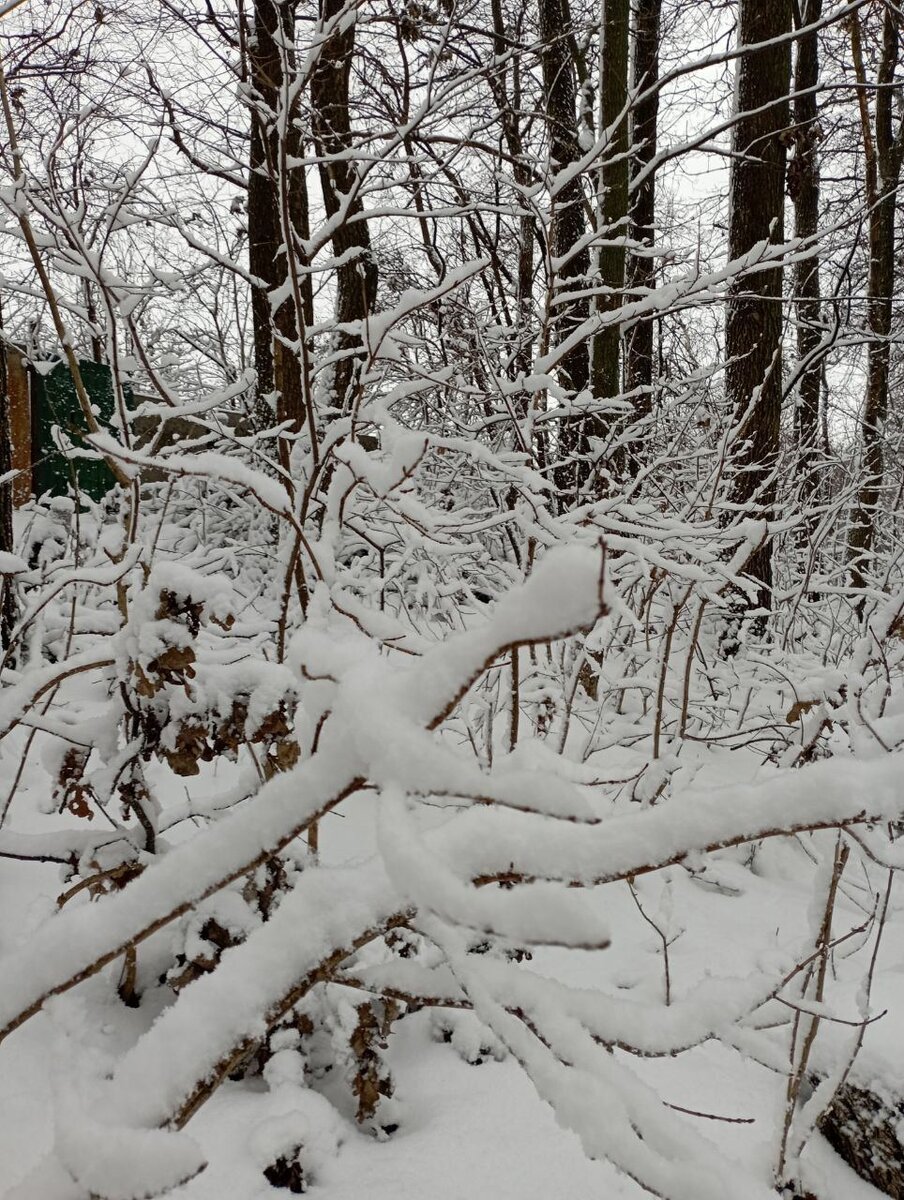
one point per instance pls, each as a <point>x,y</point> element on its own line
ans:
<point>467,1129</point>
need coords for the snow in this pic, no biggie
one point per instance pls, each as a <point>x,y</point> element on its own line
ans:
<point>11,564</point>
<point>118,1162</point>
<point>227,1007</point>
<point>377,815</point>
<point>523,818</point>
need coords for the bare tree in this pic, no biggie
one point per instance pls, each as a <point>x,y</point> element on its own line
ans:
<point>803,188</point>
<point>613,208</point>
<point>356,272</point>
<point>8,606</point>
<point>753,324</point>
<point>568,246</point>
<point>645,112</point>
<point>641,267</point>
<point>276,191</point>
<point>883,147</point>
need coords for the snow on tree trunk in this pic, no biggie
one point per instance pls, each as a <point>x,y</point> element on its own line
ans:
<point>753,321</point>
<point>865,1129</point>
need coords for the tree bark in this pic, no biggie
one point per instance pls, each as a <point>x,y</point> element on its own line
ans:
<point>882,152</point>
<point>803,188</point>
<point>614,188</point>
<point>753,324</point>
<point>569,299</point>
<point>509,112</point>
<point>640,269</point>
<point>356,273</point>
<point>277,333</point>
<point>8,606</point>
<point>863,1128</point>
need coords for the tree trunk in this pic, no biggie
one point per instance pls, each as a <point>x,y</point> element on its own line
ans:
<point>614,188</point>
<point>510,116</point>
<point>356,274</point>
<point>753,323</point>
<point>803,188</point>
<point>566,235</point>
<point>863,1128</point>
<point>277,335</point>
<point>8,607</point>
<point>882,151</point>
<point>640,270</point>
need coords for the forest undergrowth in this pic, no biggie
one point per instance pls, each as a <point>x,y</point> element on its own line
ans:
<point>556,752</point>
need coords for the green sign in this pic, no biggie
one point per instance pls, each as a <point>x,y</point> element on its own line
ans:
<point>54,402</point>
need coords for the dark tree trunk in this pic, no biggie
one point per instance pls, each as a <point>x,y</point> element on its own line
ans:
<point>875,406</point>
<point>570,307</point>
<point>753,324</point>
<point>614,187</point>
<point>509,111</point>
<point>641,270</point>
<point>356,276</point>
<point>803,188</point>
<point>863,1128</point>
<point>273,189</point>
<point>8,607</point>
<point>883,151</point>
